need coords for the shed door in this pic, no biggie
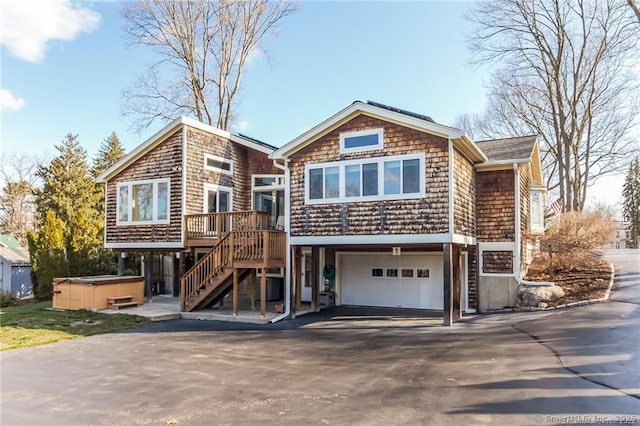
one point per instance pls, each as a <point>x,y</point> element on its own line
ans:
<point>20,280</point>
<point>406,281</point>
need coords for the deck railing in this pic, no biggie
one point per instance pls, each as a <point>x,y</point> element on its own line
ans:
<point>216,225</point>
<point>255,249</point>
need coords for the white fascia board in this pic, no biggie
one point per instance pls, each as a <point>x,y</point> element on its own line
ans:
<point>463,239</point>
<point>152,245</point>
<point>371,239</point>
<point>225,134</point>
<point>506,163</point>
<point>370,110</point>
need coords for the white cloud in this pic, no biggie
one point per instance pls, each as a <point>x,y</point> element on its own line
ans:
<point>26,26</point>
<point>8,102</point>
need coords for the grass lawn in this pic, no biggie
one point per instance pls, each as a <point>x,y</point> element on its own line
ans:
<point>36,324</point>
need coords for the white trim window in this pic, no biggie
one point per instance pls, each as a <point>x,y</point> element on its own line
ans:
<point>362,140</point>
<point>218,164</point>
<point>217,199</point>
<point>370,179</point>
<point>537,211</point>
<point>143,202</point>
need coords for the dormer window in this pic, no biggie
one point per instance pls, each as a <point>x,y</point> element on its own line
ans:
<point>362,140</point>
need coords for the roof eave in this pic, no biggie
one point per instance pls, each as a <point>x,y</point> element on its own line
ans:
<point>359,107</point>
<point>141,149</point>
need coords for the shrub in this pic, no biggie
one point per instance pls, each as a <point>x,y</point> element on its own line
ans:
<point>8,299</point>
<point>574,235</point>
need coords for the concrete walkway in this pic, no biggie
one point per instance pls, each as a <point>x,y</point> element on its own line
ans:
<point>163,308</point>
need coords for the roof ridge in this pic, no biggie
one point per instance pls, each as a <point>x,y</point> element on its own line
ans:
<point>401,111</point>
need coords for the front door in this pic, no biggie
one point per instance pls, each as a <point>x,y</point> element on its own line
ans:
<point>306,294</point>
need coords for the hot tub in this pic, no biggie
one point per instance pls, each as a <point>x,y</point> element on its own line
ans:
<point>75,293</point>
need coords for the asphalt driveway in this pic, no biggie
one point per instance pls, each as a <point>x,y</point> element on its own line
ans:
<point>344,367</point>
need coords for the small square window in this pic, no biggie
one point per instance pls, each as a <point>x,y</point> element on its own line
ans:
<point>392,273</point>
<point>376,272</point>
<point>407,273</point>
<point>423,273</point>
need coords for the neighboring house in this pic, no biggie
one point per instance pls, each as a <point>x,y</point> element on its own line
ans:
<point>8,241</point>
<point>15,271</point>
<point>375,206</point>
<point>622,237</point>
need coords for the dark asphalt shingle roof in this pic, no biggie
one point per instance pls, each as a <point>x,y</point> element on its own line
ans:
<point>256,141</point>
<point>401,111</point>
<point>518,148</point>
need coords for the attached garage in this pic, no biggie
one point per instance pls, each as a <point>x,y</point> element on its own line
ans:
<point>381,279</point>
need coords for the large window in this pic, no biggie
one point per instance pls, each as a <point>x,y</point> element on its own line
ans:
<point>143,202</point>
<point>368,179</point>
<point>363,140</point>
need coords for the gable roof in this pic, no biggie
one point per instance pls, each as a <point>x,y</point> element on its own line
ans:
<point>507,151</point>
<point>398,116</point>
<point>8,241</point>
<point>169,130</point>
<point>516,149</point>
<point>15,255</point>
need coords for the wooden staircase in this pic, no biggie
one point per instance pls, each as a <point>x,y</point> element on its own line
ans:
<point>212,277</point>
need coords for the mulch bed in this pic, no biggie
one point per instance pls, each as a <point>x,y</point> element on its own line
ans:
<point>586,278</point>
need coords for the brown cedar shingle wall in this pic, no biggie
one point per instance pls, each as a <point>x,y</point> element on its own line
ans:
<point>427,215</point>
<point>464,196</point>
<point>495,201</point>
<point>165,160</point>
<point>160,162</point>
<point>246,162</point>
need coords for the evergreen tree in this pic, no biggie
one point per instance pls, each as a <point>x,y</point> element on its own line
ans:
<point>48,255</point>
<point>111,151</point>
<point>70,193</point>
<point>631,201</point>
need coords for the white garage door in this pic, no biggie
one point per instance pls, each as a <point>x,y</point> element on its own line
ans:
<point>406,281</point>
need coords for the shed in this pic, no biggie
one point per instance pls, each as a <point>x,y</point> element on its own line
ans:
<point>15,271</point>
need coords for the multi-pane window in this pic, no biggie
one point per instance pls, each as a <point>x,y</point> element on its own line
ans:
<point>143,202</point>
<point>367,179</point>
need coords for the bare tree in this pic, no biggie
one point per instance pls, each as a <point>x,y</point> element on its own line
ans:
<point>636,9</point>
<point>17,196</point>
<point>565,72</point>
<point>202,49</point>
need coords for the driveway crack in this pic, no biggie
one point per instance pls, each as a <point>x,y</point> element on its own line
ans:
<point>571,369</point>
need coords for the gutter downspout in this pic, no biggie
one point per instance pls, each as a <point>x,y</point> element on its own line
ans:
<point>287,220</point>
<point>518,248</point>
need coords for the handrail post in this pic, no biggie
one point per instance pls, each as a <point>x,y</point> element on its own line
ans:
<point>232,249</point>
<point>265,248</point>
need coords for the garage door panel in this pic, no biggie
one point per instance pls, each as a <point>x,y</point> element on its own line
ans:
<point>360,287</point>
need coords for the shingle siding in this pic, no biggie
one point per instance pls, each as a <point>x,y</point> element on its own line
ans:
<point>495,201</point>
<point>163,161</point>
<point>464,195</point>
<point>425,215</point>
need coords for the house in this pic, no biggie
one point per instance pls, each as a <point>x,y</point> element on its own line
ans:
<point>203,206</point>
<point>622,237</point>
<point>410,213</point>
<point>15,271</point>
<point>374,206</point>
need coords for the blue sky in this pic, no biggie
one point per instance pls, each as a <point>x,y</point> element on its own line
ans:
<point>68,78</point>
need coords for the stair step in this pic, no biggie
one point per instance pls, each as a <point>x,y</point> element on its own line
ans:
<point>119,299</point>
<point>121,305</point>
